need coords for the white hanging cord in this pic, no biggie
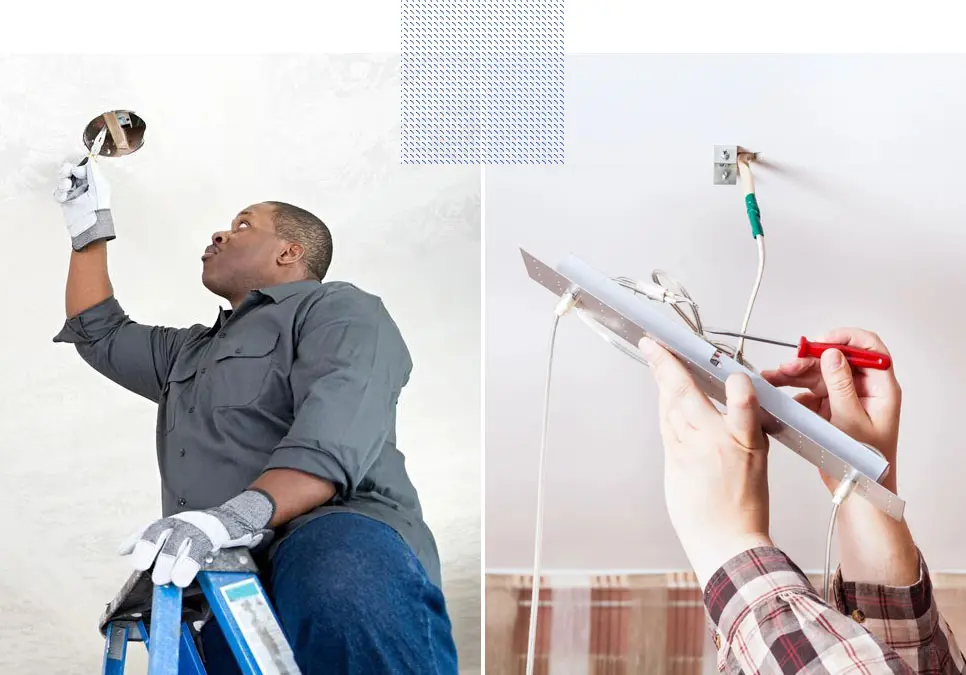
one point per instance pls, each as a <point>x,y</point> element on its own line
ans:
<point>842,493</point>
<point>739,356</point>
<point>567,302</point>
<point>754,217</point>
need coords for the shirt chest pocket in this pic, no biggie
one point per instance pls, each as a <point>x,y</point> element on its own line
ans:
<point>232,373</point>
<point>240,367</point>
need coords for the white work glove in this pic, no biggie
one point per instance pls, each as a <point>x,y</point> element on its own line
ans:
<point>85,196</point>
<point>178,545</point>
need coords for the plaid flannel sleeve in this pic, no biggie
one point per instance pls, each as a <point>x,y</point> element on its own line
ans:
<point>904,618</point>
<point>767,618</point>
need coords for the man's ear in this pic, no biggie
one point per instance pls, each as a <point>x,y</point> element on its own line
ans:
<point>291,254</point>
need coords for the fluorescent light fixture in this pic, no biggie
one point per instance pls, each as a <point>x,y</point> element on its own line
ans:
<point>630,317</point>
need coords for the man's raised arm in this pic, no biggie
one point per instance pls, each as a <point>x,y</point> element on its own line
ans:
<point>134,356</point>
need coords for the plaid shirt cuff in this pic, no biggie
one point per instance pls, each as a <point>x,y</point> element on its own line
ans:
<point>770,619</point>
<point>748,579</point>
<point>904,616</point>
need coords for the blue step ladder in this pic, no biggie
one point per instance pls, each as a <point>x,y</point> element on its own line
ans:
<point>165,619</point>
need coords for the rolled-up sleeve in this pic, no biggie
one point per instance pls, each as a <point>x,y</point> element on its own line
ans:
<point>135,356</point>
<point>351,364</point>
<point>767,618</point>
<point>904,617</point>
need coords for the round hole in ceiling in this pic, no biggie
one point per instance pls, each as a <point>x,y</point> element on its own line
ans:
<point>125,133</point>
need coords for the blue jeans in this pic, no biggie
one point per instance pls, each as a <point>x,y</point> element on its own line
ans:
<point>352,598</point>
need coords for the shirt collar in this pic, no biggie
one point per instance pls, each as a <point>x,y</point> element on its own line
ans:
<point>276,293</point>
<point>284,291</point>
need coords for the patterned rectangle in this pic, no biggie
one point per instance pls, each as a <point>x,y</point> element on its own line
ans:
<point>257,623</point>
<point>639,623</point>
<point>482,82</point>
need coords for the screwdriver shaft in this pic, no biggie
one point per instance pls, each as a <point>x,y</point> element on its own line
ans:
<point>750,337</point>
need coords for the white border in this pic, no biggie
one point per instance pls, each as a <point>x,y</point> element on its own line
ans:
<point>592,26</point>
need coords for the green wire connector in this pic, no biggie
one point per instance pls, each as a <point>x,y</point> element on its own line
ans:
<point>754,215</point>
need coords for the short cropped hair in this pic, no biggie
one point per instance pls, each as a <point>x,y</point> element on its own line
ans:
<point>301,227</point>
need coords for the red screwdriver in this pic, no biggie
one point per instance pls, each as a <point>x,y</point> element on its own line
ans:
<point>860,358</point>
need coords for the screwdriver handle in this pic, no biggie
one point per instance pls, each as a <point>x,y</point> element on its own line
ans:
<point>860,358</point>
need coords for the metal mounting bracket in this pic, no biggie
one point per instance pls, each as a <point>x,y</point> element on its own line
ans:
<point>725,165</point>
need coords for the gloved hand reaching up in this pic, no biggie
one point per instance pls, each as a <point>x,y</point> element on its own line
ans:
<point>178,545</point>
<point>85,196</point>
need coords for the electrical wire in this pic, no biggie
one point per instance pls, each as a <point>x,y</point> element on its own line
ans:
<point>538,534</point>
<point>760,239</point>
<point>841,493</point>
<point>567,302</point>
<point>754,219</point>
<point>670,291</point>
<point>664,280</point>
<point>827,578</point>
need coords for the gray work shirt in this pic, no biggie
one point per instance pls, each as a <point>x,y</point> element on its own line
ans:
<point>304,375</point>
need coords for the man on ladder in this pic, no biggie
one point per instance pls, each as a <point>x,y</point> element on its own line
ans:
<point>279,419</point>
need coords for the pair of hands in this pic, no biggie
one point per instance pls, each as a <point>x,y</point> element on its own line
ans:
<point>716,471</point>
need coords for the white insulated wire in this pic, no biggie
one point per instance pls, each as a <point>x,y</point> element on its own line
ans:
<point>538,530</point>
<point>842,493</point>
<point>760,239</point>
<point>827,578</point>
<point>567,302</point>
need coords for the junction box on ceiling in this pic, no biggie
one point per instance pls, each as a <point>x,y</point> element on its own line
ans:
<point>125,132</point>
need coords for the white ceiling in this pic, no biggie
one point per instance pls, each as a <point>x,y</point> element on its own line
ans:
<point>864,220</point>
<point>321,132</point>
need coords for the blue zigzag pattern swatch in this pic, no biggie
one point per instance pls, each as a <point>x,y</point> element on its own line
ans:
<point>482,82</point>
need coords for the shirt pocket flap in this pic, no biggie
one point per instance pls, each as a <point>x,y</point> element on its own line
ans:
<point>252,343</point>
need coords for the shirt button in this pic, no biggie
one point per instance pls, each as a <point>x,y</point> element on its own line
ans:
<point>191,409</point>
<point>182,502</point>
<point>203,370</point>
<point>717,641</point>
<point>221,335</point>
<point>238,350</point>
<point>858,615</point>
<point>182,452</point>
